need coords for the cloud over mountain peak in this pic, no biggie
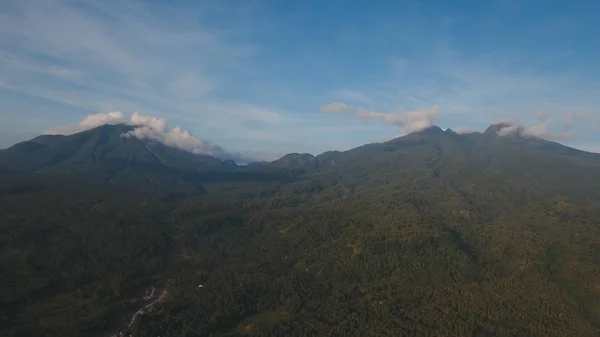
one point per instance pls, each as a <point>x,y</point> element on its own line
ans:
<point>156,129</point>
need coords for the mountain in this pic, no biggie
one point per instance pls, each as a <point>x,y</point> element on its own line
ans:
<point>257,163</point>
<point>104,155</point>
<point>102,146</point>
<point>297,161</point>
<point>433,233</point>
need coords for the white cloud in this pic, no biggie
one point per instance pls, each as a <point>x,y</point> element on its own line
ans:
<point>334,107</point>
<point>507,127</point>
<point>409,121</point>
<point>154,124</point>
<point>540,130</point>
<point>156,129</point>
<point>90,122</point>
<point>420,119</point>
<point>139,56</point>
<point>477,89</point>
<point>388,117</point>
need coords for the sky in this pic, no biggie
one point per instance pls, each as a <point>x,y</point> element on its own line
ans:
<point>273,77</point>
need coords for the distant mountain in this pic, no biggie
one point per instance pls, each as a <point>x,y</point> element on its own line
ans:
<point>434,147</point>
<point>105,151</point>
<point>104,145</point>
<point>301,161</point>
<point>433,233</point>
<point>257,163</point>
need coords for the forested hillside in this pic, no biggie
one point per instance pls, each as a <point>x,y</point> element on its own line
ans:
<point>430,234</point>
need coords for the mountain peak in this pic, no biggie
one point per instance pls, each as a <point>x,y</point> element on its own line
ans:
<point>103,146</point>
<point>229,163</point>
<point>503,127</point>
<point>433,129</point>
<point>296,161</point>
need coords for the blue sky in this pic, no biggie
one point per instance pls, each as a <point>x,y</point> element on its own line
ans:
<point>302,76</point>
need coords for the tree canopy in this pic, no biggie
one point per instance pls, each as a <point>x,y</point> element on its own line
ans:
<point>431,234</point>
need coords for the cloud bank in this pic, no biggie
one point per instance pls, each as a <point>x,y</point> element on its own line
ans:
<point>408,121</point>
<point>156,129</point>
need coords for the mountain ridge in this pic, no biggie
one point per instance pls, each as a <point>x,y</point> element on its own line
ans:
<point>45,141</point>
<point>333,244</point>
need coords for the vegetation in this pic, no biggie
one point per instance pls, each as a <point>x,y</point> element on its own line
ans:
<point>432,234</point>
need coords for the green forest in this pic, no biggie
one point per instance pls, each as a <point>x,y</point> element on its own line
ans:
<point>431,234</point>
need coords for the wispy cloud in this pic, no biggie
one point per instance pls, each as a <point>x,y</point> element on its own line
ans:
<point>541,130</point>
<point>407,121</point>
<point>352,96</point>
<point>334,107</point>
<point>486,89</point>
<point>473,92</point>
<point>256,75</point>
<point>105,55</point>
